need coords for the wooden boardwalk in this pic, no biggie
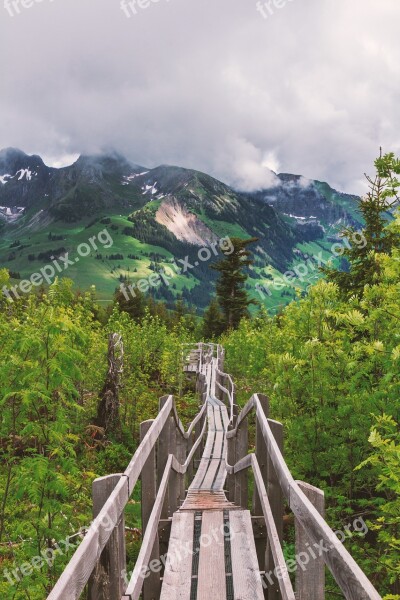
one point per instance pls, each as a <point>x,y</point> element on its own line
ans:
<point>203,536</point>
<point>222,559</point>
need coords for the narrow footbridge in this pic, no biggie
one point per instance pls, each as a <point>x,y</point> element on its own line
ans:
<point>212,511</point>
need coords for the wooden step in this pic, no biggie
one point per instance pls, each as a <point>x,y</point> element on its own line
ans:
<point>222,561</point>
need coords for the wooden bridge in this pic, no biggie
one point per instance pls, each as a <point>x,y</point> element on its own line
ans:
<point>200,540</point>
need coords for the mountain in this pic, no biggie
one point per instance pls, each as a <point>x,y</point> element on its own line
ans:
<point>156,216</point>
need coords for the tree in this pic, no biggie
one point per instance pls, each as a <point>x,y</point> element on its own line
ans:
<point>232,296</point>
<point>213,321</point>
<point>375,238</point>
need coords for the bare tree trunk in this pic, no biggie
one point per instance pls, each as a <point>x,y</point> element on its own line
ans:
<point>108,416</point>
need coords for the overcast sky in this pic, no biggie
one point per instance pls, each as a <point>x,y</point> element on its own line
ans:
<point>208,84</point>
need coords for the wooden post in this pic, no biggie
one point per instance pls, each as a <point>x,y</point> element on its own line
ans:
<point>181,453</point>
<point>262,458</point>
<point>275,497</point>
<point>174,485</point>
<point>190,470</point>
<point>310,578</point>
<point>108,579</point>
<point>231,455</point>
<point>162,457</point>
<point>241,479</point>
<point>152,583</point>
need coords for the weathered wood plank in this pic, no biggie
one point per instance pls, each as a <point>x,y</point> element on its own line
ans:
<point>107,579</point>
<point>262,458</point>
<point>135,584</point>
<point>152,583</point>
<point>276,502</point>
<point>310,579</point>
<point>285,585</point>
<point>246,575</point>
<point>211,578</point>
<point>178,568</point>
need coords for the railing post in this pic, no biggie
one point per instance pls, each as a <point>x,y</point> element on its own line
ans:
<point>241,479</point>
<point>174,485</point>
<point>108,578</point>
<point>262,458</point>
<point>276,501</point>
<point>181,453</point>
<point>231,455</point>
<point>310,579</point>
<point>162,457</point>
<point>152,583</point>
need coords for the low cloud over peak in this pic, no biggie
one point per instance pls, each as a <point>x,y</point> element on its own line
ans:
<point>311,89</point>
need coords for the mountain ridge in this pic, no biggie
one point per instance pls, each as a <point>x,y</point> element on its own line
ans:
<point>163,211</point>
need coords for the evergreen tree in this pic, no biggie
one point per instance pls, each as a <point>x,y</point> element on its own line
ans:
<point>232,296</point>
<point>213,321</point>
<point>133,304</point>
<point>375,238</point>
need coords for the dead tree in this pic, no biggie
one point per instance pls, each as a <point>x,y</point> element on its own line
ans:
<point>108,417</point>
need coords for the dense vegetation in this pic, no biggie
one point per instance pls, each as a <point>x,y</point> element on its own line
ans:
<point>54,363</point>
<point>330,363</point>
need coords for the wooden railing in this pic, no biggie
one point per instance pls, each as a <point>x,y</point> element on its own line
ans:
<point>164,457</point>
<point>165,461</point>
<point>274,483</point>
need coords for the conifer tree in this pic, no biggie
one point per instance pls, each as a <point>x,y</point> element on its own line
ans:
<point>375,238</point>
<point>232,296</point>
<point>213,321</point>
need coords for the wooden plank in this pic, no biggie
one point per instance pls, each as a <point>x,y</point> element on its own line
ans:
<point>310,579</point>
<point>276,502</point>
<point>135,585</point>
<point>285,585</point>
<point>178,568</point>
<point>247,583</point>
<point>225,418</point>
<point>211,577</point>
<point>152,583</point>
<point>213,466</point>
<point>262,458</point>
<point>107,580</point>
<point>217,419</point>
<point>221,477</point>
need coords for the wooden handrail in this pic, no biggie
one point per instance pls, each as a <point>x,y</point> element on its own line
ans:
<point>77,573</point>
<point>351,579</point>
<point>139,572</point>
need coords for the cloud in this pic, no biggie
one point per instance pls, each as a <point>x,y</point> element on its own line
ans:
<point>209,85</point>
